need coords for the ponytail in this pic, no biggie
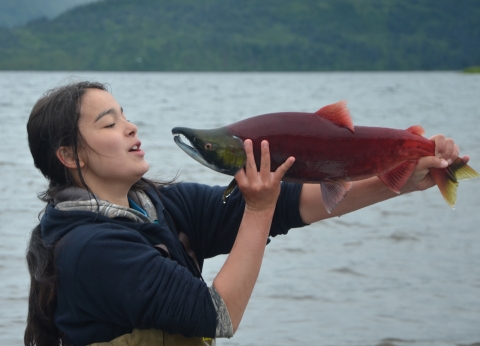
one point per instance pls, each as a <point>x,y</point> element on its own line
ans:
<point>41,329</point>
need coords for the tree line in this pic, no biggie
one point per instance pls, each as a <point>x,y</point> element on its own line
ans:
<point>250,35</point>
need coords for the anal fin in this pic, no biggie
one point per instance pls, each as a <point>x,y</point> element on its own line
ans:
<point>396,178</point>
<point>333,193</point>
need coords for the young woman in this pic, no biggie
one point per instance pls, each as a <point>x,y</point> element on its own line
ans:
<point>116,258</point>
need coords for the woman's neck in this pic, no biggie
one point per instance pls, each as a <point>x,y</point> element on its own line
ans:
<point>113,194</point>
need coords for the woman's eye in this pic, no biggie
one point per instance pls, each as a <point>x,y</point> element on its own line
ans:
<point>111,125</point>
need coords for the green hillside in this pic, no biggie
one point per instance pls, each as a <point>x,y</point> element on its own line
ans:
<point>18,12</point>
<point>250,35</point>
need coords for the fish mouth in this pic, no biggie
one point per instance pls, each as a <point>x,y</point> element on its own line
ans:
<point>191,151</point>
<point>228,159</point>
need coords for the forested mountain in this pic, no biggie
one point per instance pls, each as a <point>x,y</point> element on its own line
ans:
<point>19,12</point>
<point>250,35</point>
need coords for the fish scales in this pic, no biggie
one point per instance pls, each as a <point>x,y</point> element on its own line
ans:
<point>325,151</point>
<point>327,148</point>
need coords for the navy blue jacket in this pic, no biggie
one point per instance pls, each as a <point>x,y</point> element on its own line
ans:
<point>111,278</point>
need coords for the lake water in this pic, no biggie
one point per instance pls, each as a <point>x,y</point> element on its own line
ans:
<point>403,272</point>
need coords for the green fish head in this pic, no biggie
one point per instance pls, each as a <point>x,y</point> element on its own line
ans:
<point>215,148</point>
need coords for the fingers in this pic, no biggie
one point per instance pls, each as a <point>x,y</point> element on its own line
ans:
<point>265,164</point>
<point>260,185</point>
<point>261,188</point>
<point>280,172</point>
<point>445,148</point>
<point>250,166</point>
<point>427,162</point>
<point>265,161</point>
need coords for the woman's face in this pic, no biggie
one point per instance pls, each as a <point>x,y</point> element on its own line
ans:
<point>112,154</point>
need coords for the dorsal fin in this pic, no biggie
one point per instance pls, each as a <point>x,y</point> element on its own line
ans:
<point>416,130</point>
<point>338,114</point>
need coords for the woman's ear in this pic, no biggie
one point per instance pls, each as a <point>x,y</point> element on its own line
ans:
<point>65,155</point>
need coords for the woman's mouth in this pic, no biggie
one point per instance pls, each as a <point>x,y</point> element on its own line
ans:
<point>136,146</point>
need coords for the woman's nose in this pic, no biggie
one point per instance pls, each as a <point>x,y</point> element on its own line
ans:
<point>131,129</point>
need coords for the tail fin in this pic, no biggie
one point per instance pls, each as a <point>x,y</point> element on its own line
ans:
<point>447,179</point>
<point>462,171</point>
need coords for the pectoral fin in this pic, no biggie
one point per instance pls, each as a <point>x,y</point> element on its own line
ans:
<point>333,193</point>
<point>396,178</point>
<point>228,191</point>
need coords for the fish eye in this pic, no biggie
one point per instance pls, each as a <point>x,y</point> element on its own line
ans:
<point>208,146</point>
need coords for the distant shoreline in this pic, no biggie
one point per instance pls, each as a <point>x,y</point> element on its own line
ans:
<point>472,69</point>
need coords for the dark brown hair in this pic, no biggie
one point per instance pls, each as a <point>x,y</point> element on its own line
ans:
<point>53,123</point>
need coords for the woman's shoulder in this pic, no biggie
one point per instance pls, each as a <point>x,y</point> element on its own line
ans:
<point>191,193</point>
<point>107,232</point>
<point>79,224</point>
<point>187,188</point>
<point>92,243</point>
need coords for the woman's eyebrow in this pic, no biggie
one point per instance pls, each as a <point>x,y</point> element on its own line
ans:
<point>108,111</point>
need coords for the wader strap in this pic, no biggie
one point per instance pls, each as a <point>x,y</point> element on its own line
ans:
<point>155,337</point>
<point>186,244</point>
<point>163,250</point>
<point>192,258</point>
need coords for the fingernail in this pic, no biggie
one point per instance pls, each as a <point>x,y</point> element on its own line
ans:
<point>449,161</point>
<point>443,163</point>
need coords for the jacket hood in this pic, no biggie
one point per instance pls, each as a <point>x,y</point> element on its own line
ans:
<point>75,206</point>
<point>57,223</point>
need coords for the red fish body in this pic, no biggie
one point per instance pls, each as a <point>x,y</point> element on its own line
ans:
<point>328,150</point>
<point>325,151</point>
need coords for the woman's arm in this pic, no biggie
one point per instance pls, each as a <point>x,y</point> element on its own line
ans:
<point>370,191</point>
<point>236,279</point>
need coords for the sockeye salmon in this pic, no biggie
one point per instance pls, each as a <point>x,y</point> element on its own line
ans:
<point>327,148</point>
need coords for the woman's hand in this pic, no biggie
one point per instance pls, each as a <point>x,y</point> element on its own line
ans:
<point>261,189</point>
<point>446,151</point>
<point>236,279</point>
<point>370,191</point>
